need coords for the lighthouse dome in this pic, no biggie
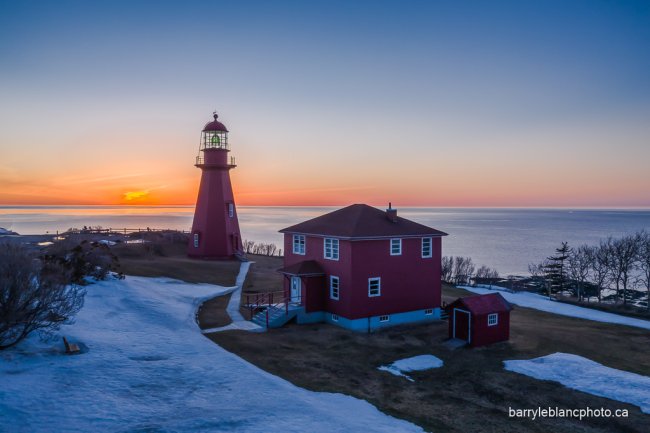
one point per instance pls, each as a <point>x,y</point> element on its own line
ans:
<point>215,125</point>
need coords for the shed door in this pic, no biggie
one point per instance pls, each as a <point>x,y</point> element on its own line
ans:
<point>462,324</point>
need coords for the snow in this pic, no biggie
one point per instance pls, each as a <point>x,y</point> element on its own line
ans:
<point>539,302</point>
<point>588,376</point>
<point>415,363</point>
<point>107,242</point>
<point>4,231</point>
<point>148,368</point>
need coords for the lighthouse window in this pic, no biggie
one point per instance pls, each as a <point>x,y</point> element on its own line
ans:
<point>196,240</point>
<point>426,248</point>
<point>334,287</point>
<point>395,247</point>
<point>231,210</point>
<point>374,286</point>
<point>331,247</point>
<point>299,244</point>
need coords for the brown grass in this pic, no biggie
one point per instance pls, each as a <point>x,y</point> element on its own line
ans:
<point>212,313</point>
<point>170,260</point>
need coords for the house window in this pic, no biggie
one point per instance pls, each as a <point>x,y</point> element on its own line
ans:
<point>231,210</point>
<point>331,247</point>
<point>196,240</point>
<point>428,312</point>
<point>385,318</point>
<point>299,244</point>
<point>493,319</point>
<point>395,247</point>
<point>374,286</point>
<point>426,248</point>
<point>334,287</point>
<point>335,317</point>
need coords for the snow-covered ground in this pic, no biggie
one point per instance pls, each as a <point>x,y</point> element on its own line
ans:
<point>539,302</point>
<point>415,363</point>
<point>148,368</point>
<point>585,375</point>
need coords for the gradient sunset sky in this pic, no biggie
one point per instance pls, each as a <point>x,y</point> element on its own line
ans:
<point>425,103</point>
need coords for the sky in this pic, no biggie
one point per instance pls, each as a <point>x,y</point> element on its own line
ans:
<point>421,103</point>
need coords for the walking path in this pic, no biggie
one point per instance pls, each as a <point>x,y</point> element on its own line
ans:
<point>238,321</point>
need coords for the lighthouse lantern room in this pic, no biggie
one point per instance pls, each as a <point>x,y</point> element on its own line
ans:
<point>215,229</point>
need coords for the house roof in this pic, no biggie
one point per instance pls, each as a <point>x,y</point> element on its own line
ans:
<point>484,304</point>
<point>304,269</point>
<point>361,221</point>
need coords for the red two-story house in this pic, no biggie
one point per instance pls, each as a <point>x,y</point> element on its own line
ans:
<point>363,269</point>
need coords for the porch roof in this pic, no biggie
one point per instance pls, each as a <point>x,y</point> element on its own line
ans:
<point>306,268</point>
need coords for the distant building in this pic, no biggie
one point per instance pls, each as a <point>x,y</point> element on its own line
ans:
<point>480,319</point>
<point>215,228</point>
<point>363,269</point>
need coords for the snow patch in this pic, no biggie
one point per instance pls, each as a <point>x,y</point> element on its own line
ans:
<point>539,302</point>
<point>588,376</point>
<point>148,367</point>
<point>4,231</point>
<point>415,363</point>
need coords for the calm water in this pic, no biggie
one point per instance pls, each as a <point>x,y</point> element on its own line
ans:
<point>507,239</point>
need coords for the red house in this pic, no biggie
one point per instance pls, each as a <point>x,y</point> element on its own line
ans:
<point>480,320</point>
<point>363,269</point>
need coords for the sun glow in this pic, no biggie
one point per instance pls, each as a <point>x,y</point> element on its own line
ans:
<point>136,196</point>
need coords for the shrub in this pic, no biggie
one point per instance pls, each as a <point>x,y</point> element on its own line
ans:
<point>33,296</point>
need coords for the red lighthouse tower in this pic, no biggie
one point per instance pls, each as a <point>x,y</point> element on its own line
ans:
<point>215,230</point>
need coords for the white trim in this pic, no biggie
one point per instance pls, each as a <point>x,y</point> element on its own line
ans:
<point>430,248</point>
<point>399,245</point>
<point>366,238</point>
<point>496,319</point>
<point>332,248</point>
<point>384,318</point>
<point>338,287</point>
<point>469,324</point>
<point>302,242</point>
<point>378,279</point>
<point>297,299</point>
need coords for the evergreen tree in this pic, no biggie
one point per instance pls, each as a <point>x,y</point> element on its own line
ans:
<point>555,269</point>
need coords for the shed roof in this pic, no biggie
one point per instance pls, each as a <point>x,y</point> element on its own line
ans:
<point>484,304</point>
<point>304,268</point>
<point>361,221</point>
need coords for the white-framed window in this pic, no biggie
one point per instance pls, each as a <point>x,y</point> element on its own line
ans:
<point>335,317</point>
<point>299,244</point>
<point>334,287</point>
<point>395,247</point>
<point>384,318</point>
<point>331,248</point>
<point>374,286</point>
<point>231,210</point>
<point>428,312</point>
<point>426,248</point>
<point>493,319</point>
<point>196,240</point>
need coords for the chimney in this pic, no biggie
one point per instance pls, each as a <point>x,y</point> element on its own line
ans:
<point>391,213</point>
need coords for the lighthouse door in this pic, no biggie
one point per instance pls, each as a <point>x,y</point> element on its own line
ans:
<point>296,288</point>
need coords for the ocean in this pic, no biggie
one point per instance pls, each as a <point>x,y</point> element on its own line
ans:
<point>505,239</point>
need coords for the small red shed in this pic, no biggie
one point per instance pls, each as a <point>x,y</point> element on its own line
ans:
<point>480,319</point>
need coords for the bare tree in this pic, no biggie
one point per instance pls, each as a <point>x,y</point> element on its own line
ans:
<point>538,271</point>
<point>578,266</point>
<point>447,268</point>
<point>33,296</point>
<point>624,257</point>
<point>463,269</point>
<point>601,266</point>
<point>643,260</point>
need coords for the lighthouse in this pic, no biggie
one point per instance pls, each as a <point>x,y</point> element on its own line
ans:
<point>215,229</point>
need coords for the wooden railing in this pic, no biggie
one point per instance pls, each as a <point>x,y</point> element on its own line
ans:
<point>256,301</point>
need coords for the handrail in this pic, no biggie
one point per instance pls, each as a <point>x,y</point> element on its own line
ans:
<point>266,300</point>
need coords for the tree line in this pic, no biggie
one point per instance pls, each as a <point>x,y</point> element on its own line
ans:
<point>261,248</point>
<point>621,265</point>
<point>461,270</point>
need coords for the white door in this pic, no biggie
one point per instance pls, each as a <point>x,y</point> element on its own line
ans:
<point>296,288</point>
